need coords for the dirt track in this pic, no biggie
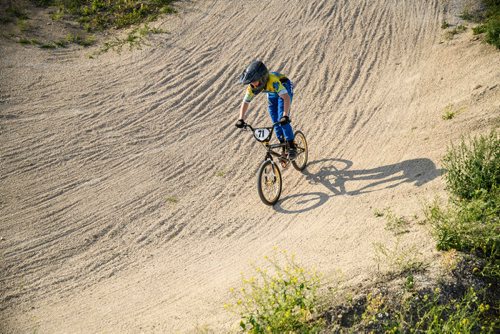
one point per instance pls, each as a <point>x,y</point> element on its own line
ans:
<point>128,198</point>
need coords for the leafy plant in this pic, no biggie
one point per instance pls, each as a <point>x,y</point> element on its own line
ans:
<point>470,226</point>
<point>490,23</point>
<point>280,299</point>
<point>473,165</point>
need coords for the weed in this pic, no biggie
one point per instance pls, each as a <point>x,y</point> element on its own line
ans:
<point>470,226</point>
<point>134,39</point>
<point>58,14</point>
<point>473,165</point>
<point>410,282</point>
<point>400,259</point>
<point>220,173</point>
<point>281,300</point>
<point>375,305</point>
<point>466,15</point>
<point>466,315</point>
<point>172,199</point>
<point>448,112</point>
<point>48,45</point>
<point>83,41</point>
<point>480,29</point>
<point>23,25</point>
<point>395,224</point>
<point>455,31</point>
<point>378,213</point>
<point>96,15</point>
<point>493,30</point>
<point>490,22</point>
<point>61,43</point>
<point>445,25</point>
<point>449,260</point>
<point>16,12</point>
<point>471,220</point>
<point>29,41</point>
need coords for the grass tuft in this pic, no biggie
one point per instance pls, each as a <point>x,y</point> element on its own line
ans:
<point>396,224</point>
<point>448,113</point>
<point>399,259</point>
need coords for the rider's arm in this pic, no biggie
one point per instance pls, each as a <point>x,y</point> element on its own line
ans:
<point>243,109</point>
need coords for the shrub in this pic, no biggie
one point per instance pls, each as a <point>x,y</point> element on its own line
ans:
<point>471,221</point>
<point>471,226</point>
<point>493,31</point>
<point>492,22</point>
<point>283,300</point>
<point>473,166</point>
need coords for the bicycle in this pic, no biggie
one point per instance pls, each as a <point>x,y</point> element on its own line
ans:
<point>269,182</point>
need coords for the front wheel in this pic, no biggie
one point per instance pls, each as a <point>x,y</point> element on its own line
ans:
<point>302,151</point>
<point>269,182</point>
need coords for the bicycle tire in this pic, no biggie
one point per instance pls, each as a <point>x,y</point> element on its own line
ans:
<point>269,182</point>
<point>301,143</point>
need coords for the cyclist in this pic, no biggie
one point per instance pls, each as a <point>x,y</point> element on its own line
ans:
<point>279,91</point>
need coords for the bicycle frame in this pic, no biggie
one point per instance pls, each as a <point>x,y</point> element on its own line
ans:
<point>264,136</point>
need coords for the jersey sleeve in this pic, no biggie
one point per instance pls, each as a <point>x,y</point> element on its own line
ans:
<point>249,95</point>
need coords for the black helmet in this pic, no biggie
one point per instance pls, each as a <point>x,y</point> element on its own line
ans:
<point>256,71</point>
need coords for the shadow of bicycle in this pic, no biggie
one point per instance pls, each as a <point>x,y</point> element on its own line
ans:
<point>337,177</point>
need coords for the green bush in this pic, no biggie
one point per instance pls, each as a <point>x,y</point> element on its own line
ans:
<point>471,226</point>
<point>474,166</point>
<point>283,300</point>
<point>492,28</point>
<point>471,221</point>
<point>492,22</point>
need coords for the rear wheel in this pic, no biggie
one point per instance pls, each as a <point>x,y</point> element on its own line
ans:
<point>269,182</point>
<point>302,151</point>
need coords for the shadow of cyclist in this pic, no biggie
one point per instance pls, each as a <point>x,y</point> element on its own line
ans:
<point>334,174</point>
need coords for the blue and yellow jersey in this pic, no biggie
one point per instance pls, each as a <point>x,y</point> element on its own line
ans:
<point>274,86</point>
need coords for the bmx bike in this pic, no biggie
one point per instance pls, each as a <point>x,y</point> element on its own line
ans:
<point>269,182</point>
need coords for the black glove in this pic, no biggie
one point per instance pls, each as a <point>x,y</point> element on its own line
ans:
<point>240,124</point>
<point>284,120</point>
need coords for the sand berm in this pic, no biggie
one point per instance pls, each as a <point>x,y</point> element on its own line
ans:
<point>128,200</point>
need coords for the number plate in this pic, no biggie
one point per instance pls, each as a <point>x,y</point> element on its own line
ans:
<point>262,134</point>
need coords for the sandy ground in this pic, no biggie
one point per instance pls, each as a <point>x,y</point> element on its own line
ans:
<point>128,200</point>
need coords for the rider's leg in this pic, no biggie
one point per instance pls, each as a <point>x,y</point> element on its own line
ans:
<point>272,107</point>
<point>287,128</point>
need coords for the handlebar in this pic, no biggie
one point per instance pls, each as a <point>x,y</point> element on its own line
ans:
<point>246,125</point>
